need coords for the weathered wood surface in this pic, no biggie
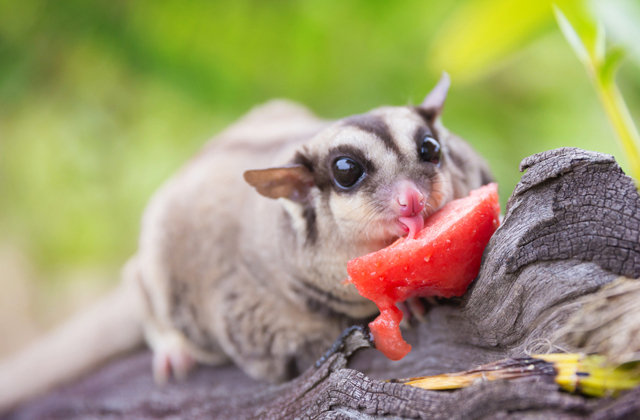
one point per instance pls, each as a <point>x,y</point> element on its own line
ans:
<point>572,225</point>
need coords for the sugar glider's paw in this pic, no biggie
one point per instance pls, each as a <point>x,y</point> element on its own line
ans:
<point>171,354</point>
<point>414,308</point>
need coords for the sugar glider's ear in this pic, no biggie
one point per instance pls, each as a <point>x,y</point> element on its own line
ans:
<point>291,182</point>
<point>432,105</point>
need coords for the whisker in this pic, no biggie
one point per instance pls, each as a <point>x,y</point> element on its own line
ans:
<point>344,217</point>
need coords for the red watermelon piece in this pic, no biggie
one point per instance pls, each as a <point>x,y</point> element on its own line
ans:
<point>442,260</point>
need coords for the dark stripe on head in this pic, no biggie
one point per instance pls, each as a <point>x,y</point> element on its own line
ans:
<point>428,114</point>
<point>321,179</point>
<point>309,214</point>
<point>376,126</point>
<point>304,160</point>
<point>429,117</point>
<point>419,135</point>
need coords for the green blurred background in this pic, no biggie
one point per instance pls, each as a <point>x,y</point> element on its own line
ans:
<point>101,101</point>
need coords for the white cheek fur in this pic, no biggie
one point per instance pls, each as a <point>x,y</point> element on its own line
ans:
<point>297,217</point>
<point>348,211</point>
<point>359,219</point>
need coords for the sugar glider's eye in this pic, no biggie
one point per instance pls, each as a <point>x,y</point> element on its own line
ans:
<point>347,172</point>
<point>430,150</point>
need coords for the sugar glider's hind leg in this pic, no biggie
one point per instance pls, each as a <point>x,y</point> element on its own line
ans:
<point>171,354</point>
<point>174,355</point>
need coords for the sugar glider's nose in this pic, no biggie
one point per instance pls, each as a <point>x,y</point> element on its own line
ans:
<point>409,199</point>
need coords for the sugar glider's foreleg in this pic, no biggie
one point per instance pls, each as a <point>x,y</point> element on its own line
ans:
<point>269,336</point>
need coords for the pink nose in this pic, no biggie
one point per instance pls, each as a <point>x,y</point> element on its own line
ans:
<point>411,201</point>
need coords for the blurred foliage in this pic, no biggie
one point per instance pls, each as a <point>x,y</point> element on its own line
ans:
<point>602,66</point>
<point>101,101</point>
<point>481,32</point>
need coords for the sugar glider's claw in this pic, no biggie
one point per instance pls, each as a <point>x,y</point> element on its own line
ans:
<point>171,355</point>
<point>417,309</point>
<point>181,364</point>
<point>406,315</point>
<point>413,308</point>
<point>161,367</point>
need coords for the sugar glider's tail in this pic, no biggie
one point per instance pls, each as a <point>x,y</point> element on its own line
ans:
<point>110,327</point>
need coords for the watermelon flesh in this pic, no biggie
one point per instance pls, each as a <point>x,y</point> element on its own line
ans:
<point>442,260</point>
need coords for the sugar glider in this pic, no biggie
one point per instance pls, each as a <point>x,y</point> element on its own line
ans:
<point>242,264</point>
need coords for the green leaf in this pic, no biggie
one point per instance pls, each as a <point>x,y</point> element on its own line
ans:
<point>610,65</point>
<point>621,18</point>
<point>572,37</point>
<point>601,43</point>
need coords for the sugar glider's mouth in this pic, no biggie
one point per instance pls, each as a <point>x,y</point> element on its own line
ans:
<point>412,224</point>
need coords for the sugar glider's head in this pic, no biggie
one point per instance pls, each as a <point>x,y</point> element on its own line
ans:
<point>371,178</point>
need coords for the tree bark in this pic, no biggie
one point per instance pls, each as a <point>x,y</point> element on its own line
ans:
<point>572,225</point>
